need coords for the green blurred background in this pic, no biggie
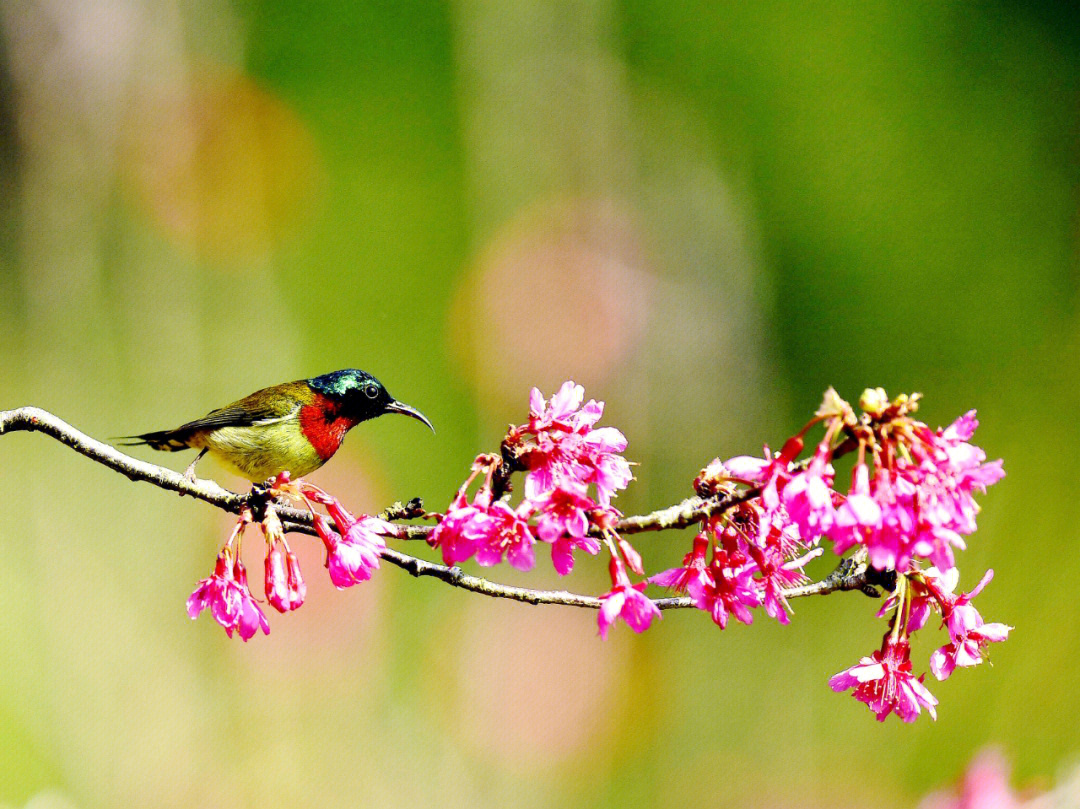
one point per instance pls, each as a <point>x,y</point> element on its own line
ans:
<point>706,213</point>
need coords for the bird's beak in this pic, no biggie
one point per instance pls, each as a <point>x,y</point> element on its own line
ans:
<point>405,410</point>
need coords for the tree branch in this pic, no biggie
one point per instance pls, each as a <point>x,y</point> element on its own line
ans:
<point>849,575</point>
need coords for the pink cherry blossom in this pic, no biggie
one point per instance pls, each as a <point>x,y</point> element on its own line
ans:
<point>968,633</point>
<point>777,472</point>
<point>559,411</point>
<point>608,471</point>
<point>744,467</point>
<point>503,532</point>
<point>457,532</point>
<point>627,601</point>
<point>857,515</point>
<point>726,590</point>
<point>227,596</point>
<point>808,497</point>
<point>885,683</point>
<point>563,520</point>
<point>774,575</point>
<point>297,587</point>
<point>567,450</point>
<point>927,502</point>
<point>353,557</point>
<point>276,585</point>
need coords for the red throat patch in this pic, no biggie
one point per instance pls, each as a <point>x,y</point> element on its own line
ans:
<point>321,425</point>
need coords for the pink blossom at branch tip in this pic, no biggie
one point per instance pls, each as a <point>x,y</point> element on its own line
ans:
<point>558,411</point>
<point>354,556</point>
<point>567,451</point>
<point>227,596</point>
<point>250,618</point>
<point>627,601</point>
<point>297,586</point>
<point>216,593</point>
<point>928,501</point>
<point>885,683</point>
<point>968,633</point>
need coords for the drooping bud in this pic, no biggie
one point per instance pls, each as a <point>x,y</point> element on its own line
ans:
<point>276,586</point>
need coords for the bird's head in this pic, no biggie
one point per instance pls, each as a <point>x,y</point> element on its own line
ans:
<point>360,396</point>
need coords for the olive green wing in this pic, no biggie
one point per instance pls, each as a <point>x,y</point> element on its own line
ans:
<point>263,406</point>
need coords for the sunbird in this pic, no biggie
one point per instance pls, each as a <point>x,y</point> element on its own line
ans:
<point>294,427</point>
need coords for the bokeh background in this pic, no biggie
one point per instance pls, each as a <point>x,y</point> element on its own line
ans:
<point>704,212</point>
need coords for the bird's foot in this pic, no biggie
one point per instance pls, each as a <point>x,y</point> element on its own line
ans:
<point>189,473</point>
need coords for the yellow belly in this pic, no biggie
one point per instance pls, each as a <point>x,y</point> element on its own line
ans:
<point>262,451</point>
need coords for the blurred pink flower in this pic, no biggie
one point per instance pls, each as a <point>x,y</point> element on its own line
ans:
<point>984,786</point>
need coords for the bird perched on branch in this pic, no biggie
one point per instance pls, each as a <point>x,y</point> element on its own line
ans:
<point>294,427</point>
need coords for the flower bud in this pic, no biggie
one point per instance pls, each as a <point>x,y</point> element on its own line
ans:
<point>276,583</point>
<point>874,401</point>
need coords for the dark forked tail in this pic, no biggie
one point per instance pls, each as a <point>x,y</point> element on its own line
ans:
<point>165,440</point>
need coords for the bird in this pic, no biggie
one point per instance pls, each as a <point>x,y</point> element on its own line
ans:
<point>294,427</point>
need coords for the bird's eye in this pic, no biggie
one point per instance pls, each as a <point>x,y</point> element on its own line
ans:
<point>371,391</point>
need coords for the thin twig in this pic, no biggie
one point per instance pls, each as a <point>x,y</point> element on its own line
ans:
<point>680,515</point>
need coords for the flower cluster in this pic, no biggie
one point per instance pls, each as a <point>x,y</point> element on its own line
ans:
<point>352,554</point>
<point>563,454</point>
<point>748,567</point>
<point>486,528</point>
<point>910,503</point>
